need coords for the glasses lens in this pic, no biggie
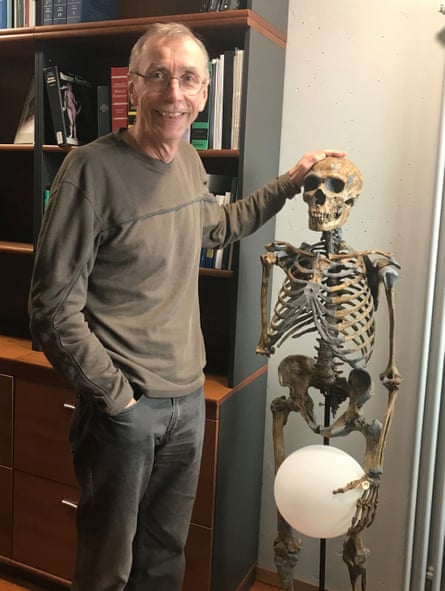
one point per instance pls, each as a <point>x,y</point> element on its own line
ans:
<point>190,83</point>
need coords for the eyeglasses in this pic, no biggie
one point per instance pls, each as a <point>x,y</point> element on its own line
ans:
<point>158,80</point>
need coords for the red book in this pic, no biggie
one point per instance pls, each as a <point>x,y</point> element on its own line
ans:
<point>119,97</point>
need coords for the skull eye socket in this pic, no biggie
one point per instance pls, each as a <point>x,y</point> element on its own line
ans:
<point>334,184</point>
<point>311,182</point>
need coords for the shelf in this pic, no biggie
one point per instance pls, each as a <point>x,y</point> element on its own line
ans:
<point>203,153</point>
<point>229,23</point>
<point>16,247</point>
<point>16,147</point>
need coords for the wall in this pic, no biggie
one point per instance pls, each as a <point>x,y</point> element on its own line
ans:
<point>367,77</point>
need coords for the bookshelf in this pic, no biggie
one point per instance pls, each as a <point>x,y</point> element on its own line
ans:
<point>223,540</point>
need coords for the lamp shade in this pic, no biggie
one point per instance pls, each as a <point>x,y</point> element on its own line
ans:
<point>304,486</point>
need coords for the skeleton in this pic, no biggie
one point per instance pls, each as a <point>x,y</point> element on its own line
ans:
<point>331,290</point>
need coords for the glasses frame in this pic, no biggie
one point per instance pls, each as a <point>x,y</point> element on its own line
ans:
<point>145,77</point>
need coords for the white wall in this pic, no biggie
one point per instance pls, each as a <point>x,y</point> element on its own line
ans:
<point>366,76</point>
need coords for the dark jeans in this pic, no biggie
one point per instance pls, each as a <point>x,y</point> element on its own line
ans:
<point>138,474</point>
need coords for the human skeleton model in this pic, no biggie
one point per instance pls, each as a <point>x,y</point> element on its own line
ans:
<point>332,290</point>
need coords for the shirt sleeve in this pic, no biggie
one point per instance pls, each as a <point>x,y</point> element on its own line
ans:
<point>65,254</point>
<point>228,223</point>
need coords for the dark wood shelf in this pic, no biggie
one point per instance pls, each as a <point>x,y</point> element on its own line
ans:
<point>16,247</point>
<point>229,21</point>
<point>16,147</point>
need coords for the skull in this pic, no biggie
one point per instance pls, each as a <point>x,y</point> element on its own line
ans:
<point>330,189</point>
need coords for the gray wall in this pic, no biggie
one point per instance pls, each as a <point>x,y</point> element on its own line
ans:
<point>367,77</point>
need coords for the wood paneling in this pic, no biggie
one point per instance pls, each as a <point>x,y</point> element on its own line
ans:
<point>44,526</point>
<point>6,393</point>
<point>41,431</point>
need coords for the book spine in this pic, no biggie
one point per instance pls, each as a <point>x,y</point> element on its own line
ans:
<point>3,14</point>
<point>119,97</point>
<point>80,11</point>
<point>226,136</point>
<point>59,12</point>
<point>9,14</point>
<point>103,110</point>
<point>200,128</point>
<point>19,13</point>
<point>52,82</point>
<point>74,11</point>
<point>229,4</point>
<point>47,12</point>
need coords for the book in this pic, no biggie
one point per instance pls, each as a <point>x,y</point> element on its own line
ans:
<point>81,11</point>
<point>59,12</point>
<point>224,187</point>
<point>212,5</point>
<point>200,128</point>
<point>25,128</point>
<point>215,106</point>
<point>47,11</point>
<point>229,4</point>
<point>71,102</point>
<point>238,68</point>
<point>3,14</point>
<point>19,13</point>
<point>103,110</point>
<point>119,97</point>
<point>226,134</point>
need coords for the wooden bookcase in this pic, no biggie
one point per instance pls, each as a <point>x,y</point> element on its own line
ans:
<point>35,464</point>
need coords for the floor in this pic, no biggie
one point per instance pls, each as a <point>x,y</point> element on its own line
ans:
<point>9,586</point>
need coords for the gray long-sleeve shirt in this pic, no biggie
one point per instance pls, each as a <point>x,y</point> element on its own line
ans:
<point>114,296</point>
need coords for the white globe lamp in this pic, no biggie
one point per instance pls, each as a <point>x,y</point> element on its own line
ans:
<point>304,486</point>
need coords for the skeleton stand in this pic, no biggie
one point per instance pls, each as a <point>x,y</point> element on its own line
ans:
<point>331,290</point>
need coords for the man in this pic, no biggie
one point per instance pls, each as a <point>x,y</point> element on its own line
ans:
<point>114,305</point>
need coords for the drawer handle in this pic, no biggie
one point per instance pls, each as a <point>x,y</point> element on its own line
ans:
<point>71,504</point>
<point>69,406</point>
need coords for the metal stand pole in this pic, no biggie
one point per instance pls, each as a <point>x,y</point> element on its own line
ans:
<point>322,569</point>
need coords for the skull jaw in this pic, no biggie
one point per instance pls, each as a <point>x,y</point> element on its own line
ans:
<point>327,222</point>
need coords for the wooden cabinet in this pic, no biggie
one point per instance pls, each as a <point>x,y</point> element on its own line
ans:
<point>6,401</point>
<point>39,494</point>
<point>39,482</point>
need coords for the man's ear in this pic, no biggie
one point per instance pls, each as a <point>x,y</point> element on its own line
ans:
<point>204,99</point>
<point>132,95</point>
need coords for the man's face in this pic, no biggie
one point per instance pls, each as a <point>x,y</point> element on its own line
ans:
<point>164,114</point>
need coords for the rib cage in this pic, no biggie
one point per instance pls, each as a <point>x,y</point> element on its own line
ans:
<point>327,293</point>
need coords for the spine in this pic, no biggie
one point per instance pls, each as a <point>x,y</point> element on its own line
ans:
<point>119,97</point>
<point>80,11</point>
<point>52,82</point>
<point>59,12</point>
<point>47,12</point>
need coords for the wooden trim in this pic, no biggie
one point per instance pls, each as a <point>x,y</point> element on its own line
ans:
<point>16,147</point>
<point>23,573</point>
<point>16,247</point>
<point>228,19</point>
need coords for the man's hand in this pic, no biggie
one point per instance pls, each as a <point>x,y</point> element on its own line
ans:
<point>306,162</point>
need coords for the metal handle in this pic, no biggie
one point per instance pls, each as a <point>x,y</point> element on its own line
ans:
<point>68,503</point>
<point>68,406</point>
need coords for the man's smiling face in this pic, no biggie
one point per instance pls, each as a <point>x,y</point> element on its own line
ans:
<point>164,115</point>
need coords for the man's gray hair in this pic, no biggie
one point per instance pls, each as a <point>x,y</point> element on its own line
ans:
<point>166,31</point>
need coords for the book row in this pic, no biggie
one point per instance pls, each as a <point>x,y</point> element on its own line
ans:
<point>81,111</point>
<point>28,13</point>
<point>224,188</point>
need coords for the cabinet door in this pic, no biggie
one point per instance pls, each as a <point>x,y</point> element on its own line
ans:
<point>5,511</point>
<point>41,427</point>
<point>6,389</point>
<point>44,531</point>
